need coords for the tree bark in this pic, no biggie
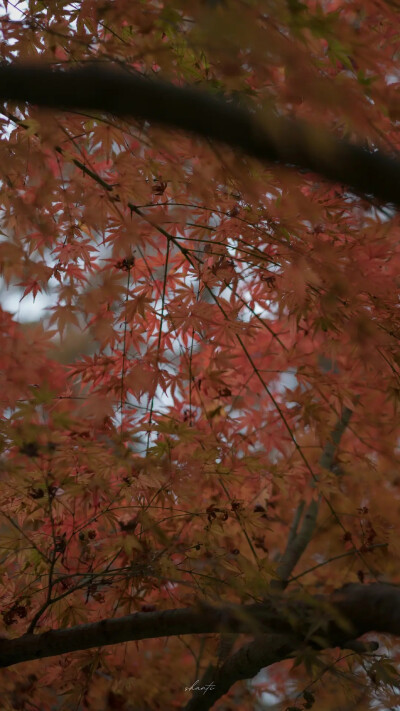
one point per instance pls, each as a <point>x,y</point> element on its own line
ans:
<point>355,610</point>
<point>267,136</point>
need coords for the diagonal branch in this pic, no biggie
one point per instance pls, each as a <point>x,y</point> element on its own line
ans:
<point>299,540</point>
<point>266,136</point>
<point>244,664</point>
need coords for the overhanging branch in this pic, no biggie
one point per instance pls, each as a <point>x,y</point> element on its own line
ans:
<point>266,136</point>
<point>367,608</point>
<point>141,625</point>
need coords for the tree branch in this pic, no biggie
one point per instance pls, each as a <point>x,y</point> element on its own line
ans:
<point>268,137</point>
<point>366,608</point>
<point>141,625</point>
<point>244,664</point>
<point>299,540</point>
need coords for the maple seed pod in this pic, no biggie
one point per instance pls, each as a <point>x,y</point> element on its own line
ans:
<point>236,505</point>
<point>125,264</point>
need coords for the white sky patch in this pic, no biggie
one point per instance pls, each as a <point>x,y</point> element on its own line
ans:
<point>26,309</point>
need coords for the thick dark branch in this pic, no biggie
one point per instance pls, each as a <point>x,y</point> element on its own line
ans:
<point>247,662</point>
<point>367,608</point>
<point>244,664</point>
<point>266,137</point>
<point>142,625</point>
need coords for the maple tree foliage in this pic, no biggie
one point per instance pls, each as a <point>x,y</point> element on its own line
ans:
<point>204,425</point>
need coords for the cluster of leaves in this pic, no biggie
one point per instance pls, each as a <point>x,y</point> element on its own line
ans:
<point>223,314</point>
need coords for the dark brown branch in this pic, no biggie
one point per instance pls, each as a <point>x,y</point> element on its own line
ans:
<point>366,608</point>
<point>267,137</point>
<point>249,659</point>
<point>142,625</point>
<point>299,540</point>
<point>244,664</point>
